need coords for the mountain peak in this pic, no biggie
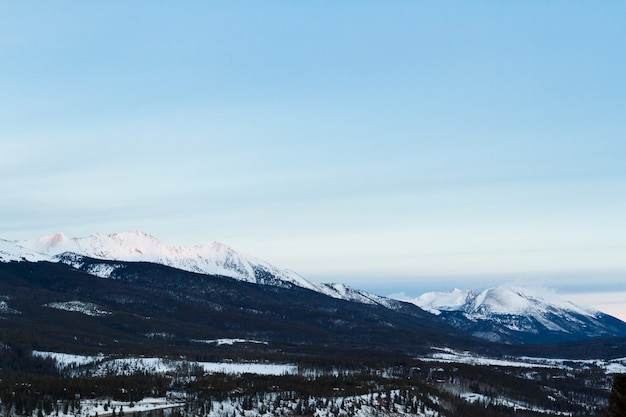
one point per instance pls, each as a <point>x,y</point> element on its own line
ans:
<point>46,244</point>
<point>57,238</point>
<point>511,299</point>
<point>216,246</point>
<point>510,313</point>
<point>134,234</point>
<point>435,302</point>
<point>212,258</point>
<point>504,299</point>
<point>10,251</point>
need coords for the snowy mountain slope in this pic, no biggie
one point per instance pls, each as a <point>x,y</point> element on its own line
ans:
<point>89,309</point>
<point>151,306</point>
<point>10,251</point>
<point>212,258</point>
<point>512,300</point>
<point>435,302</point>
<point>514,314</point>
<point>344,292</point>
<point>503,314</point>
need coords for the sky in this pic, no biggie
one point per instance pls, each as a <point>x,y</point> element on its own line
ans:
<point>393,146</point>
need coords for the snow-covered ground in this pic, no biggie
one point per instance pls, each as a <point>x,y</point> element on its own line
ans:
<point>373,404</point>
<point>611,366</point>
<point>105,408</point>
<point>211,258</point>
<point>89,309</point>
<point>230,342</point>
<point>445,355</point>
<point>67,360</point>
<point>451,356</point>
<point>4,308</point>
<point>249,368</point>
<point>354,406</point>
<point>505,299</point>
<point>100,366</point>
<point>473,397</point>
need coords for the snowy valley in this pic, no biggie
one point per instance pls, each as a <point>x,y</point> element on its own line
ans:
<point>124,323</point>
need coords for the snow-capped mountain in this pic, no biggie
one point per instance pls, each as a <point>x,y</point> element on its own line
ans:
<point>504,314</point>
<point>10,251</point>
<point>345,292</point>
<point>435,302</point>
<point>516,314</point>
<point>212,258</point>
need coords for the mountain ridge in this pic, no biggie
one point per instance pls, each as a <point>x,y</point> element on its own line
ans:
<point>151,307</point>
<point>503,314</point>
<point>514,314</point>
<point>212,258</point>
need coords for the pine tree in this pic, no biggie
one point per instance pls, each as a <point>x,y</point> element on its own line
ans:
<point>617,398</point>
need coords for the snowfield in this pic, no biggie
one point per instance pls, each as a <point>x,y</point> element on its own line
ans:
<point>446,355</point>
<point>89,309</point>
<point>101,366</point>
<point>5,309</point>
<point>213,258</point>
<point>230,342</point>
<point>473,397</point>
<point>102,408</point>
<point>249,368</point>
<point>67,360</point>
<point>376,403</point>
<point>268,406</point>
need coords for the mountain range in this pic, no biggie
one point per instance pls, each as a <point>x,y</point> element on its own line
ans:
<point>514,314</point>
<point>505,314</point>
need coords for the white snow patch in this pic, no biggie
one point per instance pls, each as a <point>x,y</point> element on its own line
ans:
<point>89,309</point>
<point>5,308</point>
<point>435,302</point>
<point>102,366</point>
<point>473,397</point>
<point>12,251</point>
<point>102,270</point>
<point>102,409</point>
<point>503,300</point>
<point>249,368</point>
<point>446,355</point>
<point>211,258</point>
<point>226,341</point>
<point>67,360</point>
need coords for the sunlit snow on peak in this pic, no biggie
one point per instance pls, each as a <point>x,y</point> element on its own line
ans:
<point>212,258</point>
<point>435,302</point>
<point>498,300</point>
<point>10,251</point>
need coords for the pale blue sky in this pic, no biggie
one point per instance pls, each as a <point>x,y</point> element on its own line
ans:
<point>388,145</point>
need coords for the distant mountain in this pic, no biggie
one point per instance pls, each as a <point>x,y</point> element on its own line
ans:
<point>12,251</point>
<point>345,292</point>
<point>144,307</point>
<point>212,258</point>
<point>513,314</point>
<point>504,314</point>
